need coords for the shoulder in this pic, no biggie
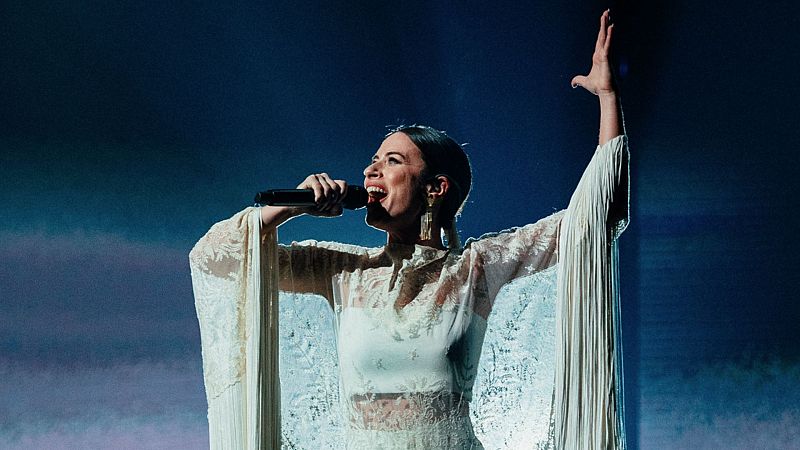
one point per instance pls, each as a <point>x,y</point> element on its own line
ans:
<point>336,253</point>
<point>546,226</point>
<point>330,246</point>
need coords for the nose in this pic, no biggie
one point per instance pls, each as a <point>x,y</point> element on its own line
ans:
<point>371,171</point>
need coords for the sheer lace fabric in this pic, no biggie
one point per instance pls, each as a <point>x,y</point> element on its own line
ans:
<point>410,322</point>
<point>219,267</point>
<point>407,346</point>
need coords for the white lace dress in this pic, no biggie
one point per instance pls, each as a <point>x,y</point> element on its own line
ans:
<point>408,328</point>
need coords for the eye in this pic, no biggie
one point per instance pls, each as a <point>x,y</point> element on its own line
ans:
<point>393,160</point>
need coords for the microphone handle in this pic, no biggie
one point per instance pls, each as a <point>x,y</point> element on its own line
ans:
<point>286,197</point>
<point>355,198</point>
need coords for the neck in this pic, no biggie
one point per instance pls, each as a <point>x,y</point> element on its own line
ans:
<point>411,238</point>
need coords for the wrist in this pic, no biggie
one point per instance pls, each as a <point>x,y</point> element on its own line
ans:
<point>273,216</point>
<point>289,212</point>
<point>607,95</point>
<point>609,101</point>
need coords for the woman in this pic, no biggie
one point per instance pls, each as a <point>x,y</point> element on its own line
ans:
<point>411,316</point>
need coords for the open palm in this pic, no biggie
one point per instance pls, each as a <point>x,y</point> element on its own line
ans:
<point>599,81</point>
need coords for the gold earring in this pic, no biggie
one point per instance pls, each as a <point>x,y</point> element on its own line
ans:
<point>426,223</point>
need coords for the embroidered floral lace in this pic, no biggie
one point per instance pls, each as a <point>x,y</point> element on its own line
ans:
<point>398,347</point>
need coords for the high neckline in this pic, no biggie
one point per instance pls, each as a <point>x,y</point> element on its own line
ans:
<point>402,251</point>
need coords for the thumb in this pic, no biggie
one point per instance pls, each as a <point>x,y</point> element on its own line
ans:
<point>578,81</point>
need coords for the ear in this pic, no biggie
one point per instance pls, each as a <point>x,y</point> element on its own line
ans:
<point>438,186</point>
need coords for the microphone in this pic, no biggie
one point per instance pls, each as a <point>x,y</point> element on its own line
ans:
<point>355,198</point>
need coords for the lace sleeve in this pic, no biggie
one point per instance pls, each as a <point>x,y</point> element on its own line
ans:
<point>550,373</point>
<point>523,251</point>
<point>309,266</point>
<point>218,264</point>
<point>517,253</point>
<point>220,252</point>
<point>235,288</point>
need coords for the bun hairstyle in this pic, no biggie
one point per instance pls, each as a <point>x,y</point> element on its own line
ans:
<point>443,156</point>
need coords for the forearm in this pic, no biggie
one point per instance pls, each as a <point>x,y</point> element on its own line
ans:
<point>610,117</point>
<point>274,216</point>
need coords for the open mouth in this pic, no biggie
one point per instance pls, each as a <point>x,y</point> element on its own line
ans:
<point>375,194</point>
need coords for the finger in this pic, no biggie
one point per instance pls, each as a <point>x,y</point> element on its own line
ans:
<point>336,189</point>
<point>306,183</point>
<point>607,44</point>
<point>327,191</point>
<point>342,185</point>
<point>333,192</point>
<point>601,34</point>
<point>336,186</point>
<point>579,80</point>
<point>319,191</point>
<point>311,183</point>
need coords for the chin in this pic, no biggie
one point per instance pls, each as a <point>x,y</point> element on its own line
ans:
<point>377,217</point>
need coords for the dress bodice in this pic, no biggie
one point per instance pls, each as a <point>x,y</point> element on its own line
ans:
<point>410,322</point>
<point>401,330</point>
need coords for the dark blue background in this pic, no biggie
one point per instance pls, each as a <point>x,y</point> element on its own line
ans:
<point>127,129</point>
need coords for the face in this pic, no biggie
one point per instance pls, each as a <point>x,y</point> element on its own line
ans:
<point>393,181</point>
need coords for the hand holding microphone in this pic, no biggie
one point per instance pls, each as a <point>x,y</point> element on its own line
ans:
<point>318,195</point>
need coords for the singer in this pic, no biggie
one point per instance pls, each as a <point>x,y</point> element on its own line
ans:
<point>411,317</point>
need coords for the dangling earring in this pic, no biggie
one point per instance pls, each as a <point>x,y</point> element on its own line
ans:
<point>426,223</point>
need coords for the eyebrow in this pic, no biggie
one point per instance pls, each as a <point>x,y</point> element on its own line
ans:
<point>374,157</point>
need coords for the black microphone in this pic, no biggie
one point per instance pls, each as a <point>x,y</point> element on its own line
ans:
<point>355,198</point>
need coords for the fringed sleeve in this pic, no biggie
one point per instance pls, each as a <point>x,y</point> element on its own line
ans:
<point>234,277</point>
<point>588,396</point>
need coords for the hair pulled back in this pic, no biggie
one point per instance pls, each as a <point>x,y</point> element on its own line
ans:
<point>442,156</point>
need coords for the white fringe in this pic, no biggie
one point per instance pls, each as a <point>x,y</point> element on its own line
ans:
<point>226,419</point>
<point>263,381</point>
<point>246,415</point>
<point>588,390</point>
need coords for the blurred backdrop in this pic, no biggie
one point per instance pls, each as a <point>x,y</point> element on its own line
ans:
<point>128,128</point>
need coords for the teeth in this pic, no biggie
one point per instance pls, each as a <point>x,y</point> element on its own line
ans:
<point>375,189</point>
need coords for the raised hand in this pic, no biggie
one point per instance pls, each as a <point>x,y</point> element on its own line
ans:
<point>599,81</point>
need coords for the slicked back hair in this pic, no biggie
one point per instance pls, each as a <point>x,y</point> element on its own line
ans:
<point>442,156</point>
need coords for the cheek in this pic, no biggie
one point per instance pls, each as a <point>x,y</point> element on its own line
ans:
<point>406,198</point>
<point>413,204</point>
<point>410,193</point>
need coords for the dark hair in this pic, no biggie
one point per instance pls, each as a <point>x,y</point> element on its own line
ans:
<point>442,156</point>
